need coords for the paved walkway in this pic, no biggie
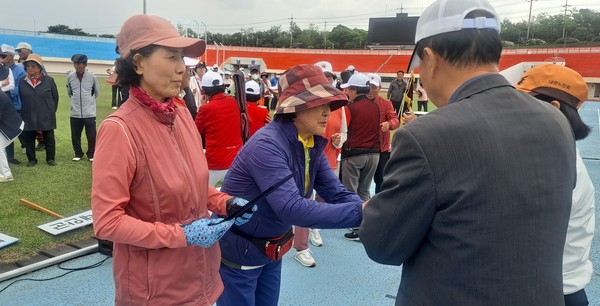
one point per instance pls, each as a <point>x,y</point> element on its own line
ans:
<point>343,276</point>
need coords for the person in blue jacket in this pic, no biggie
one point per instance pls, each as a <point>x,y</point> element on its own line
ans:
<point>251,266</point>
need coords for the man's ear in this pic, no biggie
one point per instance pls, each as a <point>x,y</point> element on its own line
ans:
<point>556,104</point>
<point>431,60</point>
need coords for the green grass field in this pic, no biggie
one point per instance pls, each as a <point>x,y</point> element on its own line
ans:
<point>64,189</point>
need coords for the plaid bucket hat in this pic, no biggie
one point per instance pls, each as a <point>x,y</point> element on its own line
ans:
<point>305,86</point>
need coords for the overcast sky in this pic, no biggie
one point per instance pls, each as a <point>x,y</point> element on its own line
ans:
<point>229,16</point>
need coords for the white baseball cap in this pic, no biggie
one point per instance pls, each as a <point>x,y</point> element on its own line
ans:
<point>211,79</point>
<point>190,62</point>
<point>23,45</point>
<point>374,79</point>
<point>445,16</point>
<point>358,80</point>
<point>7,49</point>
<point>350,68</point>
<point>325,66</point>
<point>252,88</point>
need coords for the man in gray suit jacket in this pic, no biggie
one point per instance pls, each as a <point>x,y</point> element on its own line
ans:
<point>477,194</point>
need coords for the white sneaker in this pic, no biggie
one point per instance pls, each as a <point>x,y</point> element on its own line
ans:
<point>114,107</point>
<point>6,179</point>
<point>315,237</point>
<point>76,158</point>
<point>305,259</point>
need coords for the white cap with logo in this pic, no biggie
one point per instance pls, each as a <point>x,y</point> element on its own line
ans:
<point>445,16</point>
<point>374,79</point>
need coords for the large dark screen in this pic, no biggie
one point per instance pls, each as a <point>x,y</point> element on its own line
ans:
<point>392,31</point>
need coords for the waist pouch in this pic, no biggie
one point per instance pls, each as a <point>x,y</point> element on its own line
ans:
<point>274,248</point>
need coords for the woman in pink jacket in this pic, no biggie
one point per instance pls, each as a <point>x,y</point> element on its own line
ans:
<point>150,192</point>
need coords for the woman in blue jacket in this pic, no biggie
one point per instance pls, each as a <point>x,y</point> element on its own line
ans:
<point>251,254</point>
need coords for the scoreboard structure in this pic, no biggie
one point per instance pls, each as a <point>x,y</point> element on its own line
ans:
<point>392,31</point>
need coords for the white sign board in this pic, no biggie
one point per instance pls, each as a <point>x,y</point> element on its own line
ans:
<point>67,224</point>
<point>6,240</point>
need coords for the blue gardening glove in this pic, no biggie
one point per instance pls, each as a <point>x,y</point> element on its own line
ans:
<point>235,203</point>
<point>205,232</point>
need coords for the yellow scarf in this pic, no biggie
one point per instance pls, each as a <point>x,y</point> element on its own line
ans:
<point>308,144</point>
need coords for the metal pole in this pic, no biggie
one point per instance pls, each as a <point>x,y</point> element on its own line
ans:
<point>223,53</point>
<point>217,55</point>
<point>205,40</point>
<point>325,44</point>
<point>529,22</point>
<point>565,24</point>
<point>144,7</point>
<point>197,29</point>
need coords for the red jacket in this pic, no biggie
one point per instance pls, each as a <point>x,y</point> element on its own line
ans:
<point>149,176</point>
<point>386,113</point>
<point>258,116</point>
<point>219,123</point>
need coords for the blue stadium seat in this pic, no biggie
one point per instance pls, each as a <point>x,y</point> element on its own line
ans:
<point>64,48</point>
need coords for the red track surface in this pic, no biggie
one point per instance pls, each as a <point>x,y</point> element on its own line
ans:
<point>584,60</point>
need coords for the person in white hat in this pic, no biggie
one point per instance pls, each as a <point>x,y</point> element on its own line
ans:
<point>23,50</point>
<point>219,124</point>
<point>360,153</point>
<point>388,122</point>
<point>476,195</point>
<point>8,54</point>
<point>258,115</point>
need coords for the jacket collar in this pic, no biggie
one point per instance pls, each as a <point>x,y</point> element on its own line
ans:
<point>477,85</point>
<point>219,96</point>
<point>164,118</point>
<point>291,133</point>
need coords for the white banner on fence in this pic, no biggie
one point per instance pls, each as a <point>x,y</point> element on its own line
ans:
<point>68,224</point>
<point>6,240</point>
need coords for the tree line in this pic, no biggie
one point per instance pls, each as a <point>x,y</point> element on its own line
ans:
<point>576,27</point>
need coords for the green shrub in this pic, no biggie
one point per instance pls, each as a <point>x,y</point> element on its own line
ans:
<point>568,40</point>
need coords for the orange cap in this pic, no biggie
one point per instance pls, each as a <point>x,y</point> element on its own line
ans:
<point>559,82</point>
<point>143,30</point>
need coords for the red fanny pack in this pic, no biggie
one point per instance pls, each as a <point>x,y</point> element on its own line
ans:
<point>274,248</point>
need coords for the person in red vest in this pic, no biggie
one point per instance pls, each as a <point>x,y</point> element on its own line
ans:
<point>259,115</point>
<point>220,126</point>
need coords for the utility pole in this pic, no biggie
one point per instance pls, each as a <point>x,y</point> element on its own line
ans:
<point>291,32</point>
<point>242,37</point>
<point>325,44</point>
<point>205,40</point>
<point>529,22</point>
<point>223,53</point>
<point>197,29</point>
<point>565,22</point>
<point>401,8</point>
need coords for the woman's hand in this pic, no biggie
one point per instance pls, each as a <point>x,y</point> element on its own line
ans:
<point>205,232</point>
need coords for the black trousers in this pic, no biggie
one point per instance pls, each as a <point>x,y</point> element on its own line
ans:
<point>116,96</point>
<point>396,105</point>
<point>378,178</point>
<point>422,104</point>
<point>29,138</point>
<point>578,298</point>
<point>77,125</point>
